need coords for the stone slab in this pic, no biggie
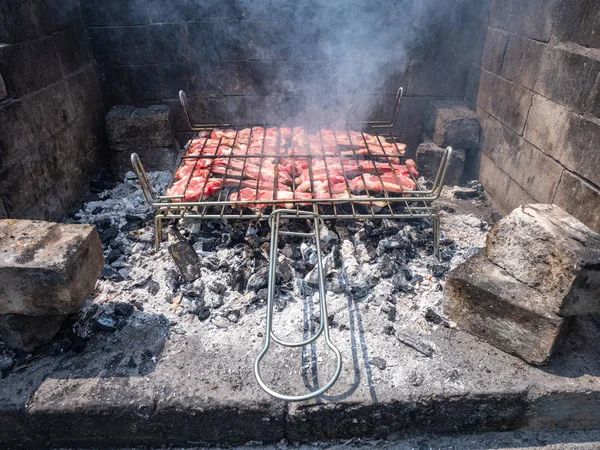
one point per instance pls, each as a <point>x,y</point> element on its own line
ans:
<point>530,18</point>
<point>507,101</point>
<point>552,252</point>
<point>429,158</point>
<point>26,333</point>
<point>3,91</point>
<point>131,129</point>
<point>201,389</point>
<point>451,123</point>
<point>47,268</point>
<point>488,302</point>
<point>493,53</point>
<point>579,22</point>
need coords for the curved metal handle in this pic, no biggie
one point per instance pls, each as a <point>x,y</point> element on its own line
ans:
<point>440,177</point>
<point>274,218</point>
<point>138,167</point>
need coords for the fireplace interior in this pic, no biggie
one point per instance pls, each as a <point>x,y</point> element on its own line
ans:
<point>404,194</point>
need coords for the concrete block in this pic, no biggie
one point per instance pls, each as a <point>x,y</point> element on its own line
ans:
<point>152,158</point>
<point>522,60</point>
<point>453,124</point>
<point>493,52</point>
<point>47,268</point>
<point>508,102</point>
<point>429,158</point>
<point>579,22</point>
<point>578,151</point>
<point>552,252</point>
<point>530,18</point>
<point>132,129</point>
<point>535,172</point>
<point>26,333</point>
<point>579,198</point>
<point>568,74</point>
<point>547,125</point>
<point>488,302</point>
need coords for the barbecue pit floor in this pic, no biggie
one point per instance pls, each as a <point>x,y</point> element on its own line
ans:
<point>152,383</point>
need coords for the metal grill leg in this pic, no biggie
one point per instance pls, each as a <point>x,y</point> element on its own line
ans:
<point>274,219</point>
<point>436,236</point>
<point>158,233</point>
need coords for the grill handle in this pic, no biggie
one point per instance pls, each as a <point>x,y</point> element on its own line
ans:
<point>440,177</point>
<point>138,167</point>
<point>274,219</point>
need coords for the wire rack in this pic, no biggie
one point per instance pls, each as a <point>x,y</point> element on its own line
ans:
<point>247,171</point>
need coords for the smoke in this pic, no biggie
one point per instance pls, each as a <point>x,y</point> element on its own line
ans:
<point>345,59</point>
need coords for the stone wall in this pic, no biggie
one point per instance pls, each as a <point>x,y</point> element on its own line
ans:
<point>51,114</point>
<point>537,94</point>
<point>249,61</point>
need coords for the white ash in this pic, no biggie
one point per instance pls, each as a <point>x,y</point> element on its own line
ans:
<point>386,265</point>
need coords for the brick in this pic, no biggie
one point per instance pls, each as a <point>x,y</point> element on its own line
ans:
<point>579,198</point>
<point>26,333</point>
<point>578,151</point>
<point>206,41</point>
<point>506,101</point>
<point>451,123</point>
<point>567,75</point>
<point>530,18</point>
<point>530,168</point>
<point>435,78</point>
<point>173,78</point>
<point>29,66</point>
<point>429,158</point>
<point>552,252</point>
<point>72,48</point>
<point>488,302</point>
<point>47,268</point>
<point>257,40</point>
<point>121,45</point>
<point>114,12</point>
<point>579,21</point>
<point>547,125</point>
<point>168,42</point>
<point>130,128</point>
<point>493,53</point>
<point>522,60</point>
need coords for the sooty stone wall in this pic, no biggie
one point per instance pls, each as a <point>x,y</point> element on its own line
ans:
<point>537,94</point>
<point>249,61</point>
<point>51,115</point>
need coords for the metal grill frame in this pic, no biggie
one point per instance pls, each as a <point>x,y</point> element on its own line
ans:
<point>416,204</point>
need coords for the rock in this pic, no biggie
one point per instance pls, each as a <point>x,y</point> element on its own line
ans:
<point>47,268</point>
<point>26,333</point>
<point>415,343</point>
<point>551,251</point>
<point>429,158</point>
<point>258,280</point>
<point>467,194</point>
<point>489,303</point>
<point>378,362</point>
<point>451,123</point>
